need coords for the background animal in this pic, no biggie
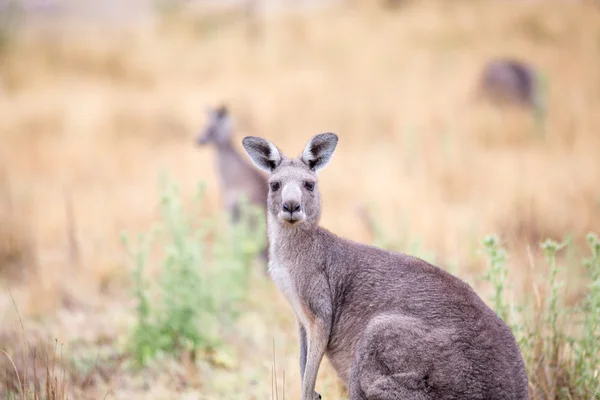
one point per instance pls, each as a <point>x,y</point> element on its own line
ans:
<point>237,176</point>
<point>393,326</point>
<point>509,81</point>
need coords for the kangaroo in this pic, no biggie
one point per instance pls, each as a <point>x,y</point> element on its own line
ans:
<point>237,176</point>
<point>392,325</point>
<point>506,80</point>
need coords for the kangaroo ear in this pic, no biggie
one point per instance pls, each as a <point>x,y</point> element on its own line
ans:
<point>318,150</point>
<point>263,153</point>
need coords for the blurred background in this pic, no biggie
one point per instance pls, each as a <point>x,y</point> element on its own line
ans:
<point>457,119</point>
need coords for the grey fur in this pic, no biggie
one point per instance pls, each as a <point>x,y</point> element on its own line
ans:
<point>237,176</point>
<point>509,81</point>
<point>393,326</point>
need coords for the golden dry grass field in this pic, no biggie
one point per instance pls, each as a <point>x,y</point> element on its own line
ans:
<point>90,116</point>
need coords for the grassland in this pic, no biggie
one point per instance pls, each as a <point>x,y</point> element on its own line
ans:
<point>90,117</point>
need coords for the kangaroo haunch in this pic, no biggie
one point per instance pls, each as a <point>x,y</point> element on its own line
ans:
<point>392,325</point>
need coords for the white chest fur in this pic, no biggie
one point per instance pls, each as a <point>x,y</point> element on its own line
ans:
<point>281,276</point>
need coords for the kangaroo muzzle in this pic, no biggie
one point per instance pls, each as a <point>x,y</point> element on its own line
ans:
<point>291,207</point>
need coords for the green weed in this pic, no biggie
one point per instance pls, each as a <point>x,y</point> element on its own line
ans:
<point>200,289</point>
<point>497,274</point>
<point>559,344</point>
<point>586,377</point>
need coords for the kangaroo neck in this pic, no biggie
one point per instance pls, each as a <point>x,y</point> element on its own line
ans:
<point>290,244</point>
<point>225,150</point>
<point>228,160</point>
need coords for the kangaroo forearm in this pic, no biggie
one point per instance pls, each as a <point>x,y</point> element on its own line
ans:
<point>303,350</point>
<point>317,339</point>
<point>313,362</point>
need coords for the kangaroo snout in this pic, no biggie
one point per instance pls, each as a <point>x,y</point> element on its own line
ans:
<point>291,212</point>
<point>291,206</point>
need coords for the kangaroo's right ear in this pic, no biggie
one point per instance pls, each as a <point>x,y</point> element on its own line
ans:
<point>263,153</point>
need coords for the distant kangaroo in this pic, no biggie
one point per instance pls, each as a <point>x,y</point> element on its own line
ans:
<point>393,326</point>
<point>506,80</point>
<point>237,176</point>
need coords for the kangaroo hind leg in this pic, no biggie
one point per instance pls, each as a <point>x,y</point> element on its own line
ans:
<point>394,360</point>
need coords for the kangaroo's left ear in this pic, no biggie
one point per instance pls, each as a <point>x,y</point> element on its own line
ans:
<point>318,150</point>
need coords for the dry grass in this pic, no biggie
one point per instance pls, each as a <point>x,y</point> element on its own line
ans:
<point>30,369</point>
<point>98,114</point>
<point>17,247</point>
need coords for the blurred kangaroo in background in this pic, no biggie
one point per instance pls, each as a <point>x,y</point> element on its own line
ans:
<point>509,81</point>
<point>236,175</point>
<point>392,325</point>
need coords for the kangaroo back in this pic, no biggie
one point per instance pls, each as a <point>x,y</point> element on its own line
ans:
<point>509,81</point>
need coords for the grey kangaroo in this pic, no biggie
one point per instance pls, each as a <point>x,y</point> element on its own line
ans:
<point>393,326</point>
<point>237,176</point>
<point>507,80</point>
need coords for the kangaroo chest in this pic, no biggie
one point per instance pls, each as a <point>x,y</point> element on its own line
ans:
<point>283,279</point>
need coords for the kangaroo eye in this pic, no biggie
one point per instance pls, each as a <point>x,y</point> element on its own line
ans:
<point>310,186</point>
<point>275,186</point>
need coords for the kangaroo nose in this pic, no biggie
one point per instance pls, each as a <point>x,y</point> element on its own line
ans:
<point>291,206</point>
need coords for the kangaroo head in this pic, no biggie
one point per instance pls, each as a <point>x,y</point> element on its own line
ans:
<point>219,127</point>
<point>293,191</point>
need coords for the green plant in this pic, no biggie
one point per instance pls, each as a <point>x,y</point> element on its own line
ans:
<point>234,251</point>
<point>553,310</point>
<point>561,345</point>
<point>143,339</point>
<point>497,274</point>
<point>198,294</point>
<point>586,377</point>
